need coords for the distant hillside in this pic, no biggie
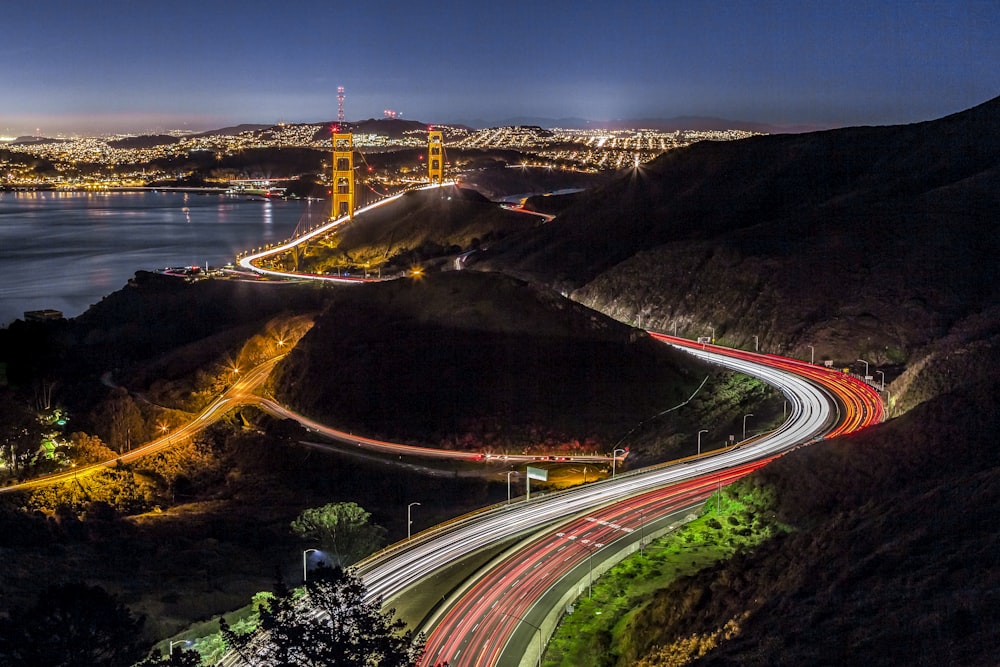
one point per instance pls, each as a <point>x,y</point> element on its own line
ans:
<point>233,130</point>
<point>863,242</point>
<point>674,124</point>
<point>475,360</point>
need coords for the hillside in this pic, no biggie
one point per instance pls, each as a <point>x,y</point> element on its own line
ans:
<point>474,360</point>
<point>891,561</point>
<point>424,225</point>
<point>864,242</point>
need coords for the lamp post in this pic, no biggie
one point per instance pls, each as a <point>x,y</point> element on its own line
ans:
<point>305,555</point>
<point>536,628</point>
<point>745,425</point>
<point>174,642</point>
<point>882,373</point>
<point>866,367</point>
<point>409,522</point>
<point>812,354</point>
<point>642,531</point>
<point>704,430</point>
<point>509,473</point>
<point>614,461</point>
<point>756,347</point>
<point>713,333</point>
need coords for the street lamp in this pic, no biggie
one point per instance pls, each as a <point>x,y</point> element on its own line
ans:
<point>186,642</point>
<point>614,461</point>
<point>713,334</point>
<point>882,373</point>
<point>509,473</point>
<point>812,354</point>
<point>642,531</point>
<point>745,425</point>
<point>536,628</point>
<point>305,554</point>
<point>704,430</point>
<point>866,367</point>
<point>410,523</point>
<point>756,347</point>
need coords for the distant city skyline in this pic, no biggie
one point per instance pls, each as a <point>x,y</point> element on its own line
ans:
<point>125,66</point>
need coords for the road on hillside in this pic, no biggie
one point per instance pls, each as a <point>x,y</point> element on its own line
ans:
<point>499,620</point>
<point>822,403</point>
<point>505,614</point>
<point>240,392</point>
<point>277,410</point>
<point>814,412</point>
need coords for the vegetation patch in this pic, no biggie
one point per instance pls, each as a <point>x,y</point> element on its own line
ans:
<point>602,630</point>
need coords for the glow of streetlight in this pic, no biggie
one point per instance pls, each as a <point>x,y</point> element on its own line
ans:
<point>174,642</point>
<point>305,555</point>
<point>704,430</point>
<point>745,425</point>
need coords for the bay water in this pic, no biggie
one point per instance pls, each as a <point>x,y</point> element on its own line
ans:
<point>67,250</point>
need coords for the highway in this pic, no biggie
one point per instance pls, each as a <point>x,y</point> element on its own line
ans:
<point>823,403</point>
<point>479,627</point>
<point>814,413</point>
<point>476,625</point>
<point>384,447</point>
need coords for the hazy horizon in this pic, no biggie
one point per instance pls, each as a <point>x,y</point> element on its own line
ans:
<point>125,67</point>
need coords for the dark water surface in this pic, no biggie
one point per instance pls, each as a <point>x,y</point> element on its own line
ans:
<point>67,250</point>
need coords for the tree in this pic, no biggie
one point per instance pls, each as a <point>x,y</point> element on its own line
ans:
<point>342,531</point>
<point>72,625</point>
<point>120,421</point>
<point>20,432</point>
<point>88,449</point>
<point>329,623</point>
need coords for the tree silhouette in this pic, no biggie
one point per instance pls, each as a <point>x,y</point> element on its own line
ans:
<point>342,530</point>
<point>72,625</point>
<point>327,623</point>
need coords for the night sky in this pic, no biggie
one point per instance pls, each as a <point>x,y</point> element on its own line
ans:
<point>117,65</point>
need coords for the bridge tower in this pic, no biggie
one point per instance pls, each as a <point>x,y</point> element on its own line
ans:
<point>343,176</point>
<point>435,156</point>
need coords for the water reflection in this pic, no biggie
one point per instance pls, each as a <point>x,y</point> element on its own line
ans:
<point>66,250</point>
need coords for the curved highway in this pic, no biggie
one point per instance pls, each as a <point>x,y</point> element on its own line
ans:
<point>478,626</point>
<point>814,413</point>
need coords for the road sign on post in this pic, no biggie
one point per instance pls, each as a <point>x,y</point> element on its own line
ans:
<point>540,474</point>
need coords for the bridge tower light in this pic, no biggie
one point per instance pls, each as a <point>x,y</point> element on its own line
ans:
<point>435,156</point>
<point>343,176</point>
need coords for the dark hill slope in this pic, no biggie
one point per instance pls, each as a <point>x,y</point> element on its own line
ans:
<point>459,353</point>
<point>894,560</point>
<point>865,242</point>
<point>715,188</point>
<point>420,225</point>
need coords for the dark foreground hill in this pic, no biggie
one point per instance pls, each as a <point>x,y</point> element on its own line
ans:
<point>476,360</point>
